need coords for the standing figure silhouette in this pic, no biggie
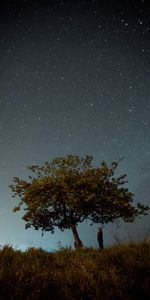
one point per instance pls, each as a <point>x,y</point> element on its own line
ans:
<point>100,238</point>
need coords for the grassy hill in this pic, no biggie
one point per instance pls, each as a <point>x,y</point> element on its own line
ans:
<point>118,272</point>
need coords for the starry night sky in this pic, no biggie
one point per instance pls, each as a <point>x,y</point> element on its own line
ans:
<point>74,79</point>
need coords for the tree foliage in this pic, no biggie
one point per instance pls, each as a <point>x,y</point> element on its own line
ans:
<point>68,190</point>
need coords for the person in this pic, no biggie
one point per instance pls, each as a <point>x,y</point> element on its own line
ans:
<point>100,238</point>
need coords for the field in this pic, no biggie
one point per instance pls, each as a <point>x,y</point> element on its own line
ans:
<point>115,273</point>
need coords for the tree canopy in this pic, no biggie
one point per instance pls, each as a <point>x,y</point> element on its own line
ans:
<point>68,190</point>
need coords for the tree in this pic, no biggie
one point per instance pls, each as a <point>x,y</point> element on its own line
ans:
<point>68,190</point>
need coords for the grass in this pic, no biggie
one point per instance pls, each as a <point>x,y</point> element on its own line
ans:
<point>118,272</point>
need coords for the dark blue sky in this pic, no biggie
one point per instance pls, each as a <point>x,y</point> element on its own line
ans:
<point>74,79</point>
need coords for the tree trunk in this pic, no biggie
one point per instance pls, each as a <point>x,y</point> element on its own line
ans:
<point>77,241</point>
